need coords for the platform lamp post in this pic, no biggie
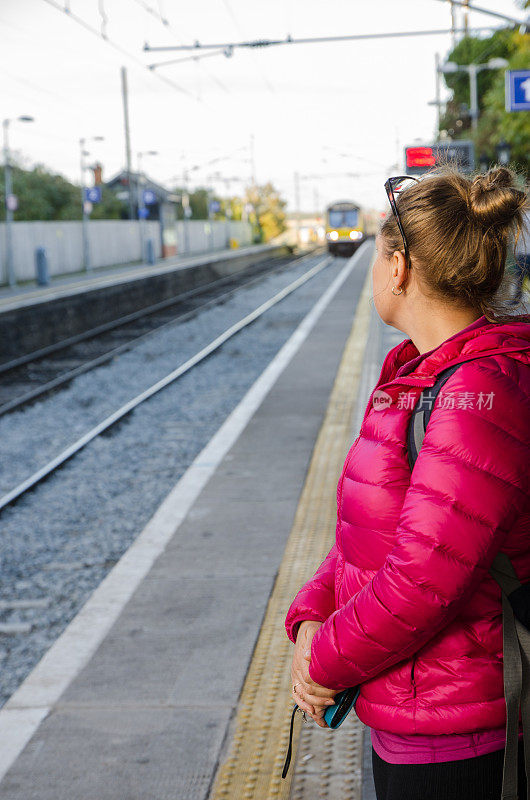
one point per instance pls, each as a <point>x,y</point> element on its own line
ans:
<point>85,204</point>
<point>142,211</point>
<point>473,70</point>
<point>10,200</point>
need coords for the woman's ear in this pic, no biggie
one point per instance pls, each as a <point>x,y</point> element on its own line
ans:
<point>399,267</point>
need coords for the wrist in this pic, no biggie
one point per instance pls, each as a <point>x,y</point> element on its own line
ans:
<point>308,626</point>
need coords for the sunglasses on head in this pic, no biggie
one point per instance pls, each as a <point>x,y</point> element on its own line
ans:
<point>394,186</point>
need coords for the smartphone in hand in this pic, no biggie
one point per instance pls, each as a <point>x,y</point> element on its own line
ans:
<point>335,715</point>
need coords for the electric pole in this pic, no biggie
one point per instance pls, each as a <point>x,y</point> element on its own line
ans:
<point>125,96</point>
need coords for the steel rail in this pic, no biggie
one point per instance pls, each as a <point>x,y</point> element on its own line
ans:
<point>105,424</point>
<point>65,377</point>
<point>6,366</point>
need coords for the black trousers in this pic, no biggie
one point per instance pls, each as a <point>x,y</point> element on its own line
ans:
<point>478,778</point>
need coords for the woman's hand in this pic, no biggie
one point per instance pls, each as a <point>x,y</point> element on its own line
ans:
<point>310,696</point>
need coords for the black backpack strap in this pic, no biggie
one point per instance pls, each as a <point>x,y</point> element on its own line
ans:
<point>421,414</point>
<point>516,670</point>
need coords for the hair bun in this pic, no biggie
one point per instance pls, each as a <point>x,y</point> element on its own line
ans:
<point>494,198</point>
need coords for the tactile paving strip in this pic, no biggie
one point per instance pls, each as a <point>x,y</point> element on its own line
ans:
<point>252,769</point>
<point>329,764</point>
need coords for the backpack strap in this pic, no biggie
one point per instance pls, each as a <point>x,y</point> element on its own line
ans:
<point>422,413</point>
<point>516,670</point>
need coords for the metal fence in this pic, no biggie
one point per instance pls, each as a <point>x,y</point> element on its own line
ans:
<point>110,242</point>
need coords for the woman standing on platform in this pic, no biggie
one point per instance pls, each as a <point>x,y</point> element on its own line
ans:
<point>404,604</point>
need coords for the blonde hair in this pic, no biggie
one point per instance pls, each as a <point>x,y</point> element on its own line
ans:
<point>460,231</point>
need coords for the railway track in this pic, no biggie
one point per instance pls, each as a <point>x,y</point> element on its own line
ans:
<point>25,379</point>
<point>67,453</point>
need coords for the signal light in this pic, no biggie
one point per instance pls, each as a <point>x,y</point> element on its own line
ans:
<point>420,157</point>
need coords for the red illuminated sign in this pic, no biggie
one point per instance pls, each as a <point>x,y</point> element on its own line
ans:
<point>420,157</point>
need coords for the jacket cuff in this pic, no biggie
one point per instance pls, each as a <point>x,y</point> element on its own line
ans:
<point>293,622</point>
<point>327,662</point>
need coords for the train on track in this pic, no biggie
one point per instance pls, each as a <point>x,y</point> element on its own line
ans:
<point>347,226</point>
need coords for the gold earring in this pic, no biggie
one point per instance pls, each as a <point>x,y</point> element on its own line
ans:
<point>397,293</point>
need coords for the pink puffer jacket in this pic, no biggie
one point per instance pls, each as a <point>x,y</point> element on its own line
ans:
<point>408,606</point>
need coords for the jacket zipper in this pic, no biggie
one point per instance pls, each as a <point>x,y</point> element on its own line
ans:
<point>412,678</point>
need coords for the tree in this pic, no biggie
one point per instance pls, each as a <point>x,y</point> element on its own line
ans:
<point>495,123</point>
<point>109,208</point>
<point>44,195</point>
<point>269,211</point>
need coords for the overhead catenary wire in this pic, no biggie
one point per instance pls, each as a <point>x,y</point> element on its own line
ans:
<point>150,10</point>
<point>104,19</point>
<point>238,26</point>
<point>160,17</point>
<point>262,43</point>
<point>66,10</point>
<point>47,91</point>
<point>209,54</point>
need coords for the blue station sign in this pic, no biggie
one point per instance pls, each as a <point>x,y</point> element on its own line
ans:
<point>518,90</point>
<point>93,195</point>
<point>149,197</point>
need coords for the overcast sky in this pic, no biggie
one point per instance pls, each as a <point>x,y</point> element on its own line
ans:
<point>320,109</point>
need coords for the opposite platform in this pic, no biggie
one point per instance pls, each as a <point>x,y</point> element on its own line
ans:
<point>33,319</point>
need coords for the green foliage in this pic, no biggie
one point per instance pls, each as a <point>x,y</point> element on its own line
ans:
<point>43,195</point>
<point>471,50</point>
<point>495,124</point>
<point>267,215</point>
<point>199,204</point>
<point>110,207</point>
<point>269,211</point>
<point>198,201</point>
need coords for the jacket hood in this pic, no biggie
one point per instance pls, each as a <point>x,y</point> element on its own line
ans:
<point>481,338</point>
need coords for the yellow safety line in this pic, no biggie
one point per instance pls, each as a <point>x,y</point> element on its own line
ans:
<point>252,770</point>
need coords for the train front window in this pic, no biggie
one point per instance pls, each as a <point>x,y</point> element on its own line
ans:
<point>343,219</point>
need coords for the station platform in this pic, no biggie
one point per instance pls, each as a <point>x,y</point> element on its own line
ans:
<point>33,317</point>
<point>66,285</point>
<point>173,680</point>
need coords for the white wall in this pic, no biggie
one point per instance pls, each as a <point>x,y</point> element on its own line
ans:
<point>110,242</point>
<point>198,236</point>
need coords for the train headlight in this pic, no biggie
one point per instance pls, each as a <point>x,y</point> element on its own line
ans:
<point>355,235</point>
<point>333,235</point>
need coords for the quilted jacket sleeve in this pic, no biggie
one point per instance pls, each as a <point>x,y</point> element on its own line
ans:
<point>469,485</point>
<point>316,599</point>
